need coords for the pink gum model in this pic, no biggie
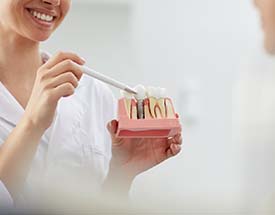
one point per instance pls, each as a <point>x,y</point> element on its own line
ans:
<point>145,128</point>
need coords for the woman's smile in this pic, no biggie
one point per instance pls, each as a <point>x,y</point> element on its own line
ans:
<point>42,18</point>
<point>35,20</point>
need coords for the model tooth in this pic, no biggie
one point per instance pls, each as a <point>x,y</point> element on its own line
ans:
<point>151,93</point>
<point>156,102</point>
<point>134,112</point>
<point>147,111</point>
<point>161,92</point>
<point>169,109</point>
<point>127,104</point>
<point>140,96</point>
<point>157,111</point>
<point>128,99</point>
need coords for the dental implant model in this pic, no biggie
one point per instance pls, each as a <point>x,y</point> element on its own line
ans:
<point>140,96</point>
<point>148,114</point>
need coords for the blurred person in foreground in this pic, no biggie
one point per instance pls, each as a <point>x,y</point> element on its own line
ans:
<point>255,119</point>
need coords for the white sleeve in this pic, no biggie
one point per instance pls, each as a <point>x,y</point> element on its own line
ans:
<point>5,198</point>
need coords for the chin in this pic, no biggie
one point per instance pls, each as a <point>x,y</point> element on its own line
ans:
<point>38,37</point>
<point>42,38</point>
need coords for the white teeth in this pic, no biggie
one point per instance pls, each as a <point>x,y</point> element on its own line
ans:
<point>156,92</point>
<point>151,91</point>
<point>49,18</point>
<point>42,16</point>
<point>163,93</point>
<point>156,106</point>
<point>141,92</point>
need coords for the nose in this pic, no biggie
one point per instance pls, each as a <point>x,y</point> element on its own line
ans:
<point>52,2</point>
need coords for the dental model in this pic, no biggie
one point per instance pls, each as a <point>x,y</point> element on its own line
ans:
<point>149,113</point>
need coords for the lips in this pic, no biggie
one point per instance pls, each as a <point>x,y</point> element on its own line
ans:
<point>41,17</point>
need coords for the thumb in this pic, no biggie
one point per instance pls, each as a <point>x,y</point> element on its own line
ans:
<point>112,128</point>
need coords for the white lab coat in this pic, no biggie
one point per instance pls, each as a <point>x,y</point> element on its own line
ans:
<point>5,198</point>
<point>75,151</point>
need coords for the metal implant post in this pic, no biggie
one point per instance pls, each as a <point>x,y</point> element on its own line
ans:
<point>140,109</point>
<point>140,96</point>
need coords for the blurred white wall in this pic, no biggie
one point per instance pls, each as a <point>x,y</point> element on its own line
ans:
<point>194,49</point>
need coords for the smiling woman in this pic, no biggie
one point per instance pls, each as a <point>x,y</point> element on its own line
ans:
<point>33,20</point>
<point>54,130</point>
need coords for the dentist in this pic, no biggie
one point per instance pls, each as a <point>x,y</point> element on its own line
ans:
<point>55,123</point>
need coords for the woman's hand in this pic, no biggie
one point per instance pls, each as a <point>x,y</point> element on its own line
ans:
<point>134,156</point>
<point>55,79</point>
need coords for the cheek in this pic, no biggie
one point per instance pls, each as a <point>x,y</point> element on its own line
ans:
<point>64,9</point>
<point>9,13</point>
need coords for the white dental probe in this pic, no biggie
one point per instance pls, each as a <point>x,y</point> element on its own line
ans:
<point>107,80</point>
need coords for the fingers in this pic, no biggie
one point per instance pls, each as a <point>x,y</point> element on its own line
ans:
<point>60,75</point>
<point>177,139</point>
<point>67,77</point>
<point>63,90</point>
<point>174,146</point>
<point>173,150</point>
<point>61,56</point>
<point>66,66</point>
<point>112,128</point>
